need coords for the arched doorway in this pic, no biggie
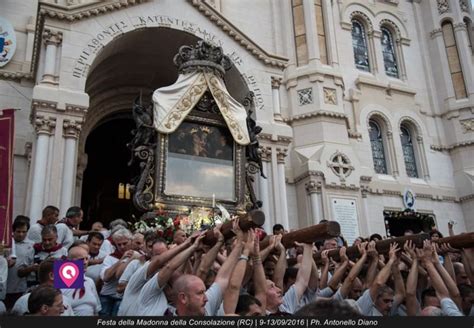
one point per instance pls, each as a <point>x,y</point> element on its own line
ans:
<point>136,63</point>
<point>104,193</point>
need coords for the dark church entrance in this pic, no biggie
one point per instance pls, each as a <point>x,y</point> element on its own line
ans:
<point>398,222</point>
<point>105,196</point>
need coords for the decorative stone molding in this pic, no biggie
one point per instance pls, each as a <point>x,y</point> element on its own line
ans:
<point>364,185</point>
<point>265,153</point>
<point>237,35</point>
<point>443,6</point>
<point>282,140</point>
<point>465,198</point>
<point>71,129</point>
<point>75,109</point>
<point>365,19</point>
<point>342,186</point>
<point>15,76</point>
<point>341,165</point>
<point>69,13</point>
<point>276,82</point>
<point>315,174</point>
<point>313,187</point>
<point>453,146</point>
<point>436,32</point>
<point>330,96</point>
<point>51,37</point>
<point>392,26</point>
<point>314,114</point>
<point>460,27</point>
<point>28,151</point>
<point>305,96</point>
<point>44,125</point>
<point>281,154</point>
<point>463,4</point>
<point>467,125</point>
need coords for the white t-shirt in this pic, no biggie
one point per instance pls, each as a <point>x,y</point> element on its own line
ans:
<point>65,235</point>
<point>22,251</point>
<point>21,306</point>
<point>107,247</point>
<point>214,300</point>
<point>130,304</point>
<point>110,287</point>
<point>3,277</point>
<point>152,300</point>
<point>366,305</point>
<point>131,268</point>
<point>89,303</point>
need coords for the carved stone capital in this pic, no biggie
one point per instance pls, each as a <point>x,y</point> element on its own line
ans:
<point>44,125</point>
<point>460,27</point>
<point>265,153</point>
<point>389,134</point>
<point>313,187</point>
<point>71,129</point>
<point>51,37</point>
<point>276,82</point>
<point>419,139</point>
<point>281,154</point>
<point>436,32</point>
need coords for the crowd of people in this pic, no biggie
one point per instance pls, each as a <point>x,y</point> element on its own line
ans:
<point>132,274</point>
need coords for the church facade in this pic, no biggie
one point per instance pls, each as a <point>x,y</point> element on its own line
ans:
<point>366,107</point>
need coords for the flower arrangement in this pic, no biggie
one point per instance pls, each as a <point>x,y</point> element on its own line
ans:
<point>199,218</point>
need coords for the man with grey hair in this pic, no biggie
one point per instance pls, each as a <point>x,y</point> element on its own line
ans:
<point>49,246</point>
<point>72,221</point>
<point>112,268</point>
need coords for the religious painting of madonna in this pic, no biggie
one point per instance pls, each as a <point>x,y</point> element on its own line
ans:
<point>200,162</point>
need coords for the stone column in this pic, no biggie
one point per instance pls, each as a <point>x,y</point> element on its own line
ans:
<point>266,154</point>
<point>52,40</point>
<point>71,130</point>
<point>276,82</point>
<point>281,154</point>
<point>392,156</point>
<point>465,55</point>
<point>422,155</point>
<point>313,189</point>
<point>44,129</point>
<point>310,26</point>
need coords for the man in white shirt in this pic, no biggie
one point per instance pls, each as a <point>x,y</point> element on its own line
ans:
<point>46,278</point>
<point>17,284</point>
<point>96,256</point>
<point>49,216</point>
<point>49,246</point>
<point>112,268</point>
<point>84,301</point>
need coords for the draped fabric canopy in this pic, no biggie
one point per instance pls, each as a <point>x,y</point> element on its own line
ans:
<point>174,102</point>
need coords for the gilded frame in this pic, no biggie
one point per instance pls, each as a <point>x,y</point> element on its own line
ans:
<point>180,203</point>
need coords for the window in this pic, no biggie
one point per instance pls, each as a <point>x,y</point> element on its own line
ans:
<point>359,44</point>
<point>388,50</point>
<point>320,28</point>
<point>454,61</point>
<point>408,152</point>
<point>123,191</point>
<point>300,32</point>
<point>378,152</point>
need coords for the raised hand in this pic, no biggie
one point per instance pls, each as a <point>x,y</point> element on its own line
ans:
<point>410,249</point>
<point>342,255</point>
<point>371,251</point>
<point>324,257</point>
<point>362,248</point>
<point>392,253</point>
<point>236,229</point>
<point>278,244</point>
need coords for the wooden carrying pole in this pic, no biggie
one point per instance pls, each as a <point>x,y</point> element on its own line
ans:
<point>465,240</point>
<point>308,235</point>
<point>252,219</point>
